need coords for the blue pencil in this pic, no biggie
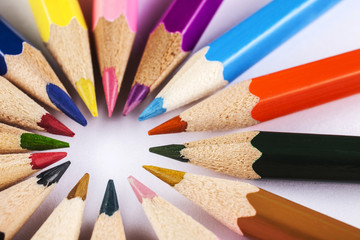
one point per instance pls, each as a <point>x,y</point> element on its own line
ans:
<point>227,57</point>
<point>26,67</point>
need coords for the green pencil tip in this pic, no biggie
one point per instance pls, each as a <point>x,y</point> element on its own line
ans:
<point>31,141</point>
<point>172,151</point>
<point>110,203</point>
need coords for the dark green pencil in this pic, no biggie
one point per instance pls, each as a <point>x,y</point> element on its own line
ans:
<point>257,154</point>
<point>109,224</point>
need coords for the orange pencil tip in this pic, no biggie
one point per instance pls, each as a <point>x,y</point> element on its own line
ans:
<point>174,125</point>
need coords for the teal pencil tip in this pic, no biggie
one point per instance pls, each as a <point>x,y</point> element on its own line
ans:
<point>110,203</point>
<point>154,109</point>
<point>171,151</point>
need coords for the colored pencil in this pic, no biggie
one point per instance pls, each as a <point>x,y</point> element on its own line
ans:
<point>26,67</point>
<point>223,60</point>
<point>19,109</point>
<point>15,167</point>
<point>109,224</point>
<point>65,221</point>
<point>114,26</point>
<point>20,201</point>
<point>259,99</point>
<point>252,211</point>
<point>15,140</point>
<point>63,29</point>
<point>172,40</point>
<point>168,221</point>
<point>255,155</point>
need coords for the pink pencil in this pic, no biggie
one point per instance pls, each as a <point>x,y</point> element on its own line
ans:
<point>114,26</point>
<point>168,221</point>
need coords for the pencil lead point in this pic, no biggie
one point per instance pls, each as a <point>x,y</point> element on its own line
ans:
<point>110,202</point>
<point>86,91</point>
<point>31,141</point>
<point>80,189</point>
<point>42,160</point>
<point>174,125</point>
<point>64,102</point>
<point>172,151</point>
<point>154,109</point>
<point>52,125</point>
<point>171,177</point>
<point>52,175</point>
<point>140,190</point>
<point>137,94</point>
<point>111,88</point>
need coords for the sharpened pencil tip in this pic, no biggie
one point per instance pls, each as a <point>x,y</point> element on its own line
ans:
<point>171,177</point>
<point>110,202</point>
<point>52,125</point>
<point>140,190</point>
<point>172,151</point>
<point>137,94</point>
<point>80,189</point>
<point>111,88</point>
<point>42,160</point>
<point>174,125</point>
<point>63,102</point>
<point>154,109</point>
<point>52,175</point>
<point>86,90</point>
<point>31,141</point>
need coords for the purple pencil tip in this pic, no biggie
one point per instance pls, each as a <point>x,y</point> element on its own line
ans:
<point>137,94</point>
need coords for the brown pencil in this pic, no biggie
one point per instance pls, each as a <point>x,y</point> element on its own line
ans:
<point>252,211</point>
<point>65,221</point>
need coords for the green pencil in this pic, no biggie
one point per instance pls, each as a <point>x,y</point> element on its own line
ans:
<point>255,155</point>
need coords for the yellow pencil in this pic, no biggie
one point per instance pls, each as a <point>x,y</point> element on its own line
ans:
<point>63,29</point>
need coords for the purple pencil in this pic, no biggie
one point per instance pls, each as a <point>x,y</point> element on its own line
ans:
<point>172,40</point>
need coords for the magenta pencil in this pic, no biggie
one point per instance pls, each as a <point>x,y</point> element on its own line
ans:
<point>172,40</point>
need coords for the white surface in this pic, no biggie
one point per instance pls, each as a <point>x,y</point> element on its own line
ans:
<point>117,147</point>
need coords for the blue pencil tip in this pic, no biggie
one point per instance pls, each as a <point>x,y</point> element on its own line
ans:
<point>154,109</point>
<point>63,102</point>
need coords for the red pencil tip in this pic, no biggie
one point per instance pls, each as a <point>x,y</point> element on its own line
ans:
<point>111,88</point>
<point>174,125</point>
<point>52,125</point>
<point>42,160</point>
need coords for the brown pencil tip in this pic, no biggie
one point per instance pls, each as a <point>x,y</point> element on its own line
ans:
<point>174,125</point>
<point>80,189</point>
<point>171,177</point>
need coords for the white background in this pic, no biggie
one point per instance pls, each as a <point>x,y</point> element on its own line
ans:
<point>118,147</point>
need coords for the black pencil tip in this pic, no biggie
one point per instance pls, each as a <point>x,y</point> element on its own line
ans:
<point>110,203</point>
<point>2,236</point>
<point>52,175</point>
<point>172,151</point>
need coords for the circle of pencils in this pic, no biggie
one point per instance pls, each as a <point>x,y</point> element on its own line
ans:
<point>242,207</point>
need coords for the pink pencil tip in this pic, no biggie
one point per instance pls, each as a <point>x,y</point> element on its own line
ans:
<point>140,190</point>
<point>111,88</point>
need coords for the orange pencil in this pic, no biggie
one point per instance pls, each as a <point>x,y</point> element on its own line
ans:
<point>270,96</point>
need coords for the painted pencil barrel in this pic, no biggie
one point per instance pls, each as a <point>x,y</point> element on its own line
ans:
<point>223,60</point>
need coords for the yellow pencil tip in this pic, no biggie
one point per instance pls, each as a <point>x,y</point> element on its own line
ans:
<point>80,189</point>
<point>86,90</point>
<point>171,177</point>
